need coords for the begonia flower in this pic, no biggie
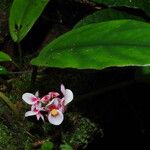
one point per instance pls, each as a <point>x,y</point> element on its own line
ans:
<point>55,116</point>
<point>53,105</point>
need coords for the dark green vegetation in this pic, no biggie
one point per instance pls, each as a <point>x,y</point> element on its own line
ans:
<point>46,43</point>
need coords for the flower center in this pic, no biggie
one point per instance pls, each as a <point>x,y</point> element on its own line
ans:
<point>54,112</point>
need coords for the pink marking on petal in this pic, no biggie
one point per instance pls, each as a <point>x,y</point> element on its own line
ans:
<point>36,111</point>
<point>46,98</point>
<point>34,99</point>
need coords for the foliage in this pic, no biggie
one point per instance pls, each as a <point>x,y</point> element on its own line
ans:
<point>65,147</point>
<point>3,70</point>
<point>144,4</point>
<point>4,57</point>
<point>47,146</point>
<point>106,15</point>
<point>112,43</point>
<point>23,15</point>
<point>117,34</point>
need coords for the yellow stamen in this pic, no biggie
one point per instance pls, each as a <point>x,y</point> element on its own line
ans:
<point>54,112</point>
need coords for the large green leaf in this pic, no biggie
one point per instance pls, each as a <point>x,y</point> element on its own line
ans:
<point>140,4</point>
<point>106,15</point>
<point>23,15</point>
<point>4,57</point>
<point>100,45</point>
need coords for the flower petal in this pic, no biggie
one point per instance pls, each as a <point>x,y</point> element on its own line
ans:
<point>33,107</point>
<point>45,99</point>
<point>42,117</point>
<point>38,115</point>
<point>68,96</point>
<point>53,94</point>
<point>30,113</point>
<point>62,88</point>
<point>51,102</point>
<point>56,120</point>
<point>37,94</point>
<point>27,97</point>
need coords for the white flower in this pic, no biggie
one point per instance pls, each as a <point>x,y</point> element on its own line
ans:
<point>55,116</point>
<point>56,107</point>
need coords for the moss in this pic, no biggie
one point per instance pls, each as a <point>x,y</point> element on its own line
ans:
<point>6,138</point>
<point>16,139</point>
<point>12,133</point>
<point>80,131</point>
<point>19,86</point>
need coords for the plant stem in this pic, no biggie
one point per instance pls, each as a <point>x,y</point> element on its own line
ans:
<point>33,77</point>
<point>8,102</point>
<point>16,65</point>
<point>20,54</point>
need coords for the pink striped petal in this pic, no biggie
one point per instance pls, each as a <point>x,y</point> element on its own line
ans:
<point>28,98</point>
<point>45,99</point>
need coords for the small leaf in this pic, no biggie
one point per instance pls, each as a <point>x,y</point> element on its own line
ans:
<point>23,15</point>
<point>140,4</point>
<point>47,146</point>
<point>65,147</point>
<point>3,70</point>
<point>99,45</point>
<point>106,15</point>
<point>4,57</point>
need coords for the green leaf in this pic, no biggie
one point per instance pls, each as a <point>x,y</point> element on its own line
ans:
<point>106,15</point>
<point>100,45</point>
<point>3,70</point>
<point>47,146</point>
<point>65,147</point>
<point>23,15</point>
<point>4,57</point>
<point>140,4</point>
